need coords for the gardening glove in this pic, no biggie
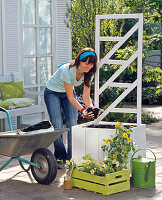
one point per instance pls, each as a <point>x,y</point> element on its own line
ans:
<point>96,111</point>
<point>38,126</point>
<point>87,114</point>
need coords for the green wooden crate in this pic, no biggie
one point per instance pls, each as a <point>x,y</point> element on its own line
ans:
<point>109,184</point>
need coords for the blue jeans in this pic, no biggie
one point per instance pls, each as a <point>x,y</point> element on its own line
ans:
<point>54,102</point>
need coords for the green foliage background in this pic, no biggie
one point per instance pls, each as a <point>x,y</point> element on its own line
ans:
<point>82,21</point>
<point>81,15</point>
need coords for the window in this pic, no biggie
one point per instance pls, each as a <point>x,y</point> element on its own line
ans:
<point>37,43</point>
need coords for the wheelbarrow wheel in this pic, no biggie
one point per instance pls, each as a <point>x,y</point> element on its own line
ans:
<point>47,171</point>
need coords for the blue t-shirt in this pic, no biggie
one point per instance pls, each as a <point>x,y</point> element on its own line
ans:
<point>63,74</point>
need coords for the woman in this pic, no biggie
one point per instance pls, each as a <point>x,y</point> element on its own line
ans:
<point>59,93</point>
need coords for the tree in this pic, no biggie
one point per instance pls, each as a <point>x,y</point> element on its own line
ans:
<point>82,23</point>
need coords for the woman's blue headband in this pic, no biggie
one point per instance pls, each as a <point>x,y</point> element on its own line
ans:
<point>85,54</point>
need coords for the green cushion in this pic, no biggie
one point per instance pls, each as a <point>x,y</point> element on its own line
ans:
<point>12,90</point>
<point>6,104</point>
<point>6,78</point>
<point>20,102</point>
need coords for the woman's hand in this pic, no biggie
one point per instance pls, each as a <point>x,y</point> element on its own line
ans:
<point>87,114</point>
<point>96,112</point>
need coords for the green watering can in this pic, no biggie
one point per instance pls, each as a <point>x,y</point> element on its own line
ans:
<point>143,171</point>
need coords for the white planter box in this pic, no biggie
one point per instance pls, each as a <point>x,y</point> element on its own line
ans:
<point>89,140</point>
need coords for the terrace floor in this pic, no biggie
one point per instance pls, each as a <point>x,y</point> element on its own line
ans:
<point>16,184</point>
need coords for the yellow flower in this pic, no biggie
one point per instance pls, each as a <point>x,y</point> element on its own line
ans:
<point>125,135</point>
<point>114,156</point>
<point>106,141</point>
<point>117,124</point>
<point>67,162</point>
<point>72,160</point>
<point>131,126</point>
<point>92,171</point>
<point>129,140</point>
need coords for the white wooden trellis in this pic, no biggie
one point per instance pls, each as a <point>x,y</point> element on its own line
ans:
<point>124,64</point>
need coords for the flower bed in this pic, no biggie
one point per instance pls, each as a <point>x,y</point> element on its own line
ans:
<point>106,185</point>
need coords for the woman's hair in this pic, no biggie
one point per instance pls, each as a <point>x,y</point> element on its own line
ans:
<point>91,60</point>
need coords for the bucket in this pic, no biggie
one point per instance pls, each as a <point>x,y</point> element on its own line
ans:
<point>143,171</point>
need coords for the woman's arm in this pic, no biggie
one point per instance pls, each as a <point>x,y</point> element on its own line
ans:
<point>69,92</point>
<point>86,96</point>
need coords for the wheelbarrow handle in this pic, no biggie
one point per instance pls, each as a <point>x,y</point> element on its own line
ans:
<point>143,149</point>
<point>8,117</point>
<point>2,109</point>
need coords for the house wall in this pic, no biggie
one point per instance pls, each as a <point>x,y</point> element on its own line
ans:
<point>63,34</point>
<point>12,36</point>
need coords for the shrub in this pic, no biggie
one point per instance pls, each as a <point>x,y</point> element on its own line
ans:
<point>146,118</point>
<point>150,96</point>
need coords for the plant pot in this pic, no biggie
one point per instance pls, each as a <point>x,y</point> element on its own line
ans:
<point>106,185</point>
<point>87,138</point>
<point>67,183</point>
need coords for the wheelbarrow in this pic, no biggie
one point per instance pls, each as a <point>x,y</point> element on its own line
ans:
<point>43,164</point>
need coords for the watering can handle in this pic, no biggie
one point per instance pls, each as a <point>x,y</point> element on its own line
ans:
<point>143,149</point>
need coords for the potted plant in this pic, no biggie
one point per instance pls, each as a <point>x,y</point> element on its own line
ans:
<point>111,175</point>
<point>70,165</point>
<point>119,147</point>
